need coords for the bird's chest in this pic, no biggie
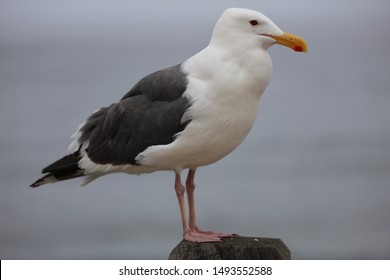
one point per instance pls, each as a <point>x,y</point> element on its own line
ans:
<point>227,106</point>
<point>218,125</point>
<point>230,120</point>
<point>224,104</point>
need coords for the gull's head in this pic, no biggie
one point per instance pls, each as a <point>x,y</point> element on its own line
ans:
<point>248,27</point>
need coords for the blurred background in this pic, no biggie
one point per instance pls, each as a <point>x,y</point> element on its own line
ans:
<point>314,171</point>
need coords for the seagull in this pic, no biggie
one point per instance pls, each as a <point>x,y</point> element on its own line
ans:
<point>182,117</point>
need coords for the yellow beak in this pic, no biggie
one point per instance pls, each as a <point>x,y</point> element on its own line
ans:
<point>289,40</point>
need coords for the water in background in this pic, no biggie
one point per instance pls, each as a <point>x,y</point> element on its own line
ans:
<point>314,171</point>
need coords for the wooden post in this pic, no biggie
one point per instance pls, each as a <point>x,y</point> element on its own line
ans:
<point>237,248</point>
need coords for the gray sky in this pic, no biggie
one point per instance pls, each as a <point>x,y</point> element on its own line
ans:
<point>314,171</point>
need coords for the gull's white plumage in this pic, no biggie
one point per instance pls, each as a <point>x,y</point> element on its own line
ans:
<point>223,85</point>
<point>224,109</point>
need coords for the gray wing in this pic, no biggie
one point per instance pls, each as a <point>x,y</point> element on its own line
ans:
<point>149,114</point>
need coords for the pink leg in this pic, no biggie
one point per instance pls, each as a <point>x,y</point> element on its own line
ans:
<point>179,189</point>
<point>189,234</point>
<point>206,235</point>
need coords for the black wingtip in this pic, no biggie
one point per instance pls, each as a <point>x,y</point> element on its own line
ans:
<point>65,165</point>
<point>62,169</point>
<point>35,184</point>
<point>42,181</point>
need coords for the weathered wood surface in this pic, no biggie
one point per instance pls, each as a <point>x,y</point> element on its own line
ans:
<point>238,248</point>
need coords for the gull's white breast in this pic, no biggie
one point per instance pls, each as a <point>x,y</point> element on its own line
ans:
<point>225,100</point>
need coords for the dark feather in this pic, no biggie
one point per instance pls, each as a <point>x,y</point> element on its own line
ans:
<point>149,114</point>
<point>67,164</point>
<point>63,169</point>
<point>164,85</point>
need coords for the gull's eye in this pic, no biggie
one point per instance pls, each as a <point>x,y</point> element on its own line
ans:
<point>254,22</point>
